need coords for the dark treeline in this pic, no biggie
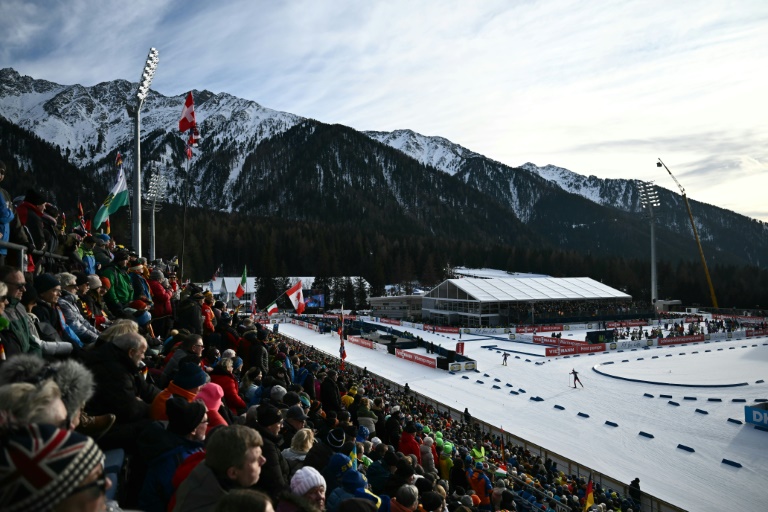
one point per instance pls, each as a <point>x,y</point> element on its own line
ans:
<point>272,248</point>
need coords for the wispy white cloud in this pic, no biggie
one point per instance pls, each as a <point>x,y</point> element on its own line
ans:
<point>600,88</point>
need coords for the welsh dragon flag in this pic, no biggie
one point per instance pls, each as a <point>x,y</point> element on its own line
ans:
<point>243,283</point>
<point>297,298</point>
<point>116,199</point>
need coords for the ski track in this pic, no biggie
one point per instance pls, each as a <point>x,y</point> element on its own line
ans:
<point>696,481</point>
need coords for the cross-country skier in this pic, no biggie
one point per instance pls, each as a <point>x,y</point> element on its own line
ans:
<point>504,358</point>
<point>576,378</point>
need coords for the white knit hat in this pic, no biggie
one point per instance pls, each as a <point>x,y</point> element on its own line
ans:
<point>305,479</point>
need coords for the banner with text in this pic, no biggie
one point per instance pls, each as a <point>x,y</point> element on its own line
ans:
<point>581,349</point>
<point>416,358</point>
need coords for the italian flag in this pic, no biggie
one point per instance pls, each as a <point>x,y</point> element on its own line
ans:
<point>116,199</point>
<point>243,283</point>
<point>272,309</point>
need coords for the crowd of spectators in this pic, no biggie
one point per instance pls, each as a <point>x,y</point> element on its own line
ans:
<point>105,356</point>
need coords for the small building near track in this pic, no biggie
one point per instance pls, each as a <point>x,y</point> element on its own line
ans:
<point>400,307</point>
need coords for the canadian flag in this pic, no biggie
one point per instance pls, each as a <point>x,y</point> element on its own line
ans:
<point>297,298</point>
<point>187,121</point>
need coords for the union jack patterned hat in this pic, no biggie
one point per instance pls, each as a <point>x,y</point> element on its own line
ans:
<point>40,465</point>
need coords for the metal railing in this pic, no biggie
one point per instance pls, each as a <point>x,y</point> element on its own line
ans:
<point>21,263</point>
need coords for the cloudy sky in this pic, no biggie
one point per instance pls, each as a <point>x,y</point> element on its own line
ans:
<point>597,87</point>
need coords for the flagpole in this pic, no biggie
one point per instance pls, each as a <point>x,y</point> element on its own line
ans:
<point>184,216</point>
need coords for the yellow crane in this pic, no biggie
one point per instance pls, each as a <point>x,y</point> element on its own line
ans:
<point>695,233</point>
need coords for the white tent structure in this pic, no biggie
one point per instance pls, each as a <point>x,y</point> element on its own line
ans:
<point>224,287</point>
<point>476,302</point>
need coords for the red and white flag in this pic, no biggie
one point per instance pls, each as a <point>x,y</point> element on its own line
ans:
<point>187,121</point>
<point>297,298</point>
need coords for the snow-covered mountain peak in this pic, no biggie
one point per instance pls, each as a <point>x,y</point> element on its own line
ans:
<point>92,121</point>
<point>437,152</point>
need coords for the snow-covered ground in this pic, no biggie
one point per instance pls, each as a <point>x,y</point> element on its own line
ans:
<point>696,481</point>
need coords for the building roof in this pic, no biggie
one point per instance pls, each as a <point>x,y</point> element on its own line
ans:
<point>533,289</point>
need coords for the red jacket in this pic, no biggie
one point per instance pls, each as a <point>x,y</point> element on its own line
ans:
<point>162,299</point>
<point>208,315</point>
<point>229,385</point>
<point>408,445</point>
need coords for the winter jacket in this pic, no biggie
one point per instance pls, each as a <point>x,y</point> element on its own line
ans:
<point>427,459</point>
<point>378,476</point>
<point>231,396</point>
<point>53,318</point>
<point>32,217</point>
<point>481,485</point>
<point>164,452</point>
<point>121,290</point>
<point>199,492</point>
<point>445,463</point>
<point>329,395</point>
<point>208,326</point>
<point>162,299</point>
<point>68,302</point>
<point>275,473</point>
<point>392,430</point>
<point>294,459</point>
<point>189,316</point>
<point>118,385</point>
<point>88,259</point>
<point>15,231</point>
<point>409,446</point>
<point>20,325</point>
<point>367,418</point>
<point>102,256</point>
<point>140,287</point>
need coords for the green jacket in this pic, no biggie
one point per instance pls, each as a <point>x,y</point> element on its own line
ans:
<point>121,290</point>
<point>20,325</point>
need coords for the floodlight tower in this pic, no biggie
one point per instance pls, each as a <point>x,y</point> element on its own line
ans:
<point>134,110</point>
<point>649,198</point>
<point>155,194</point>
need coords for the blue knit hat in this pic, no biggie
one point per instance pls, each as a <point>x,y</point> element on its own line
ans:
<point>190,376</point>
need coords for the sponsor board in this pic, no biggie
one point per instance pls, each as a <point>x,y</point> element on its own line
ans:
<point>740,318</point>
<point>454,367</point>
<point>362,342</point>
<point>627,344</point>
<point>416,358</point>
<point>626,323</point>
<point>538,328</point>
<point>460,348</point>
<point>558,341</point>
<point>470,365</point>
<point>756,415</point>
<point>511,336</point>
<point>486,330</point>
<point>389,321</point>
<point>581,349</point>
<point>437,328</point>
<point>756,332</point>
<point>680,340</point>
